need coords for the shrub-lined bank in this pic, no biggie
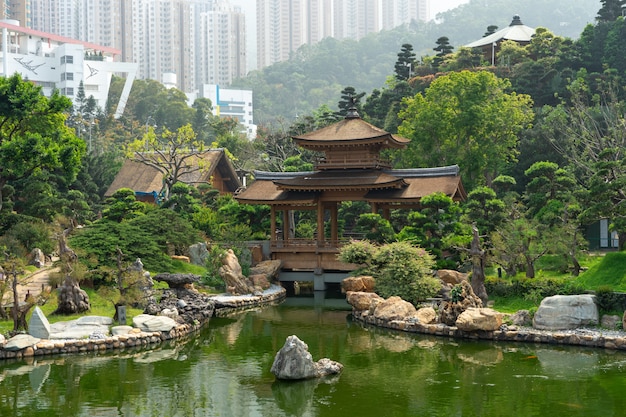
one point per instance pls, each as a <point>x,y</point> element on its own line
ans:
<point>136,338</point>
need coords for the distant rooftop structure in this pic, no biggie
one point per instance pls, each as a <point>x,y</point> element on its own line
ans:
<point>516,31</point>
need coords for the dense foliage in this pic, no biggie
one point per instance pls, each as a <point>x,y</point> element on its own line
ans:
<point>400,268</point>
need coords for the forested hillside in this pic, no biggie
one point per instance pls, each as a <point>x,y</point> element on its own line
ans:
<point>316,74</point>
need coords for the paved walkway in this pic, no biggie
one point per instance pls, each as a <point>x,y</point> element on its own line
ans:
<point>32,284</point>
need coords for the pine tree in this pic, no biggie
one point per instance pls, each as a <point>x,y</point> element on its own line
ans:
<point>406,61</point>
<point>610,10</point>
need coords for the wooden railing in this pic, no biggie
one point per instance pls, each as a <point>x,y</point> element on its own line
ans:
<point>296,243</point>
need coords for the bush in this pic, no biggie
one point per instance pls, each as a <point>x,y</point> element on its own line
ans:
<point>400,269</point>
<point>101,239</point>
<point>33,235</point>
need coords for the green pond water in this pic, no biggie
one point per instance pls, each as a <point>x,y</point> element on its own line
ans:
<point>224,371</point>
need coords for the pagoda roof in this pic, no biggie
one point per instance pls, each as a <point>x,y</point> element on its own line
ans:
<point>358,179</point>
<point>516,31</point>
<point>393,186</point>
<point>350,131</point>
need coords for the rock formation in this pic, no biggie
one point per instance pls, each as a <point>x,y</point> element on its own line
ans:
<point>474,319</point>
<point>191,306</point>
<point>394,308</point>
<point>361,300</point>
<point>561,312</point>
<point>293,361</point>
<point>71,299</point>
<point>360,284</point>
<point>230,271</point>
<point>462,297</point>
<point>450,276</point>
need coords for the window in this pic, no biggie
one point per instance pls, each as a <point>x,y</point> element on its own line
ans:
<point>67,59</point>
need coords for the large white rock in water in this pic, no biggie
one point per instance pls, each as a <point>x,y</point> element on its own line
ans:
<point>293,361</point>
<point>561,312</point>
<point>39,326</point>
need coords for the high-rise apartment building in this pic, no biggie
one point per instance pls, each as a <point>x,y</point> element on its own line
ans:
<point>400,12</point>
<point>353,19</point>
<point>221,45</point>
<point>169,39</point>
<point>285,25</point>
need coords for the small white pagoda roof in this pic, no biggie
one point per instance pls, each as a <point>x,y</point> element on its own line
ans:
<point>516,31</point>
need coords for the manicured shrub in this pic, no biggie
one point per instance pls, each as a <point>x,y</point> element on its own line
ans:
<point>400,269</point>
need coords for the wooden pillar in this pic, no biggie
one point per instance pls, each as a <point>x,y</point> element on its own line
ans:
<point>286,225</point>
<point>334,227</point>
<point>273,223</point>
<point>374,207</point>
<point>320,223</point>
<point>386,213</point>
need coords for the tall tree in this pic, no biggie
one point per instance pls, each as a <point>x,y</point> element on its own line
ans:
<point>443,48</point>
<point>593,141</point>
<point>610,10</point>
<point>33,135</point>
<point>465,118</point>
<point>349,98</point>
<point>173,154</point>
<point>406,61</point>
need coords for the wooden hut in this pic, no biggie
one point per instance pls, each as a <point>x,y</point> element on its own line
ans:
<point>147,181</point>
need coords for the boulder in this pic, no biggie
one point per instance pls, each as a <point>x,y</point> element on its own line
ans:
<point>81,328</point>
<point>21,341</point>
<point>177,280</point>
<point>611,322</point>
<point>561,312</point>
<point>198,254</point>
<point>37,258</point>
<point>94,321</point>
<point>462,297</point>
<point>521,318</point>
<point>474,319</point>
<point>360,284</point>
<point>394,308</point>
<point>230,271</point>
<point>269,269</point>
<point>148,323</point>
<point>293,361</point>
<point>260,281</point>
<point>71,298</point>
<point>170,312</point>
<point>426,315</point>
<point>450,276</point>
<point>120,330</point>
<point>361,300</point>
<point>39,326</point>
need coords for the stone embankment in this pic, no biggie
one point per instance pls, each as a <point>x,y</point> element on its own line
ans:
<point>597,338</point>
<point>24,346</point>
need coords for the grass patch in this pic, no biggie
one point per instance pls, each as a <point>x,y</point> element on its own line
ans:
<point>99,307</point>
<point>512,304</point>
<point>608,270</point>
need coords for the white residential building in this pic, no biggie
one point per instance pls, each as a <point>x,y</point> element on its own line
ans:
<point>230,103</point>
<point>54,61</point>
<point>221,45</point>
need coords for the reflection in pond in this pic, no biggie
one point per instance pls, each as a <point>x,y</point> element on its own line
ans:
<point>224,371</point>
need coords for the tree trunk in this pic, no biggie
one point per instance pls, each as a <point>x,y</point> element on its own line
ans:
<point>478,268</point>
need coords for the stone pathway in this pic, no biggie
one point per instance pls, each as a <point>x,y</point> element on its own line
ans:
<point>32,284</point>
